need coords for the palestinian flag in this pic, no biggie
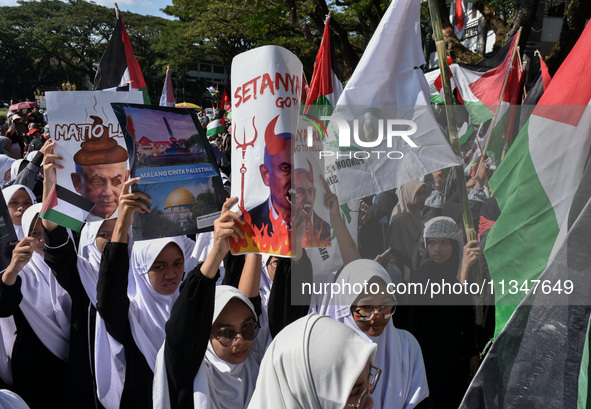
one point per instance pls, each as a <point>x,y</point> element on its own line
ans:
<point>535,92</point>
<point>458,17</point>
<point>118,67</point>
<point>325,87</point>
<point>480,84</point>
<point>215,94</point>
<point>436,85</point>
<point>65,208</point>
<point>541,358</point>
<point>167,97</point>
<point>215,127</point>
<point>536,182</point>
<point>226,105</point>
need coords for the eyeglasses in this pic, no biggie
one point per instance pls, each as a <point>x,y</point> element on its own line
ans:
<point>364,314</point>
<point>227,337</point>
<point>374,377</point>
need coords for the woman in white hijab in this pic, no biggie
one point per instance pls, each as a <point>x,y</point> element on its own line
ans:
<point>38,307</point>
<point>5,166</point>
<point>135,298</point>
<point>404,381</point>
<point>78,275</point>
<point>18,198</point>
<point>317,363</point>
<point>213,346</point>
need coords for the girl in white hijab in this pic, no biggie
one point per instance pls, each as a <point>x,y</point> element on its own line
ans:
<point>39,308</point>
<point>135,300</point>
<point>404,381</point>
<point>213,347</point>
<point>316,363</point>
<point>5,166</point>
<point>18,198</point>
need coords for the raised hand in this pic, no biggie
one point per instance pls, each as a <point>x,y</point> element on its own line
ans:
<point>21,255</point>
<point>223,228</point>
<point>129,203</point>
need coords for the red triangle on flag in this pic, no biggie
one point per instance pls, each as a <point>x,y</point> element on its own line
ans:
<point>50,201</point>
<point>571,86</point>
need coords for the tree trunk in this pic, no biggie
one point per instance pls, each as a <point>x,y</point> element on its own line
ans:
<point>573,24</point>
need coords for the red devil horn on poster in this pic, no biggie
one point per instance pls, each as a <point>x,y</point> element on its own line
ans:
<point>275,143</point>
<point>310,172</point>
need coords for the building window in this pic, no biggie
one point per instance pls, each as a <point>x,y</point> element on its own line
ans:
<point>205,67</point>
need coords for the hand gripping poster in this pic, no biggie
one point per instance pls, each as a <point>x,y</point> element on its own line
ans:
<point>168,150</point>
<point>89,138</point>
<point>266,90</point>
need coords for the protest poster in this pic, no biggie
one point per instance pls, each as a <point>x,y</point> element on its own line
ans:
<point>89,139</point>
<point>168,150</point>
<point>266,90</point>
<point>309,186</point>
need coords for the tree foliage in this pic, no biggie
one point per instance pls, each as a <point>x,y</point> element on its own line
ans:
<point>46,42</point>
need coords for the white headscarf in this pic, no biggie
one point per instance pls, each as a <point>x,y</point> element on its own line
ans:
<point>10,400</point>
<point>312,363</point>
<point>404,382</point>
<point>5,165</point>
<point>203,246</point>
<point>45,305</point>
<point>265,290</point>
<point>8,193</point>
<point>149,310</point>
<point>109,355</point>
<point>14,168</point>
<point>218,384</point>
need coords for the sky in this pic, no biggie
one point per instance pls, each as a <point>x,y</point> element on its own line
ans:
<point>143,7</point>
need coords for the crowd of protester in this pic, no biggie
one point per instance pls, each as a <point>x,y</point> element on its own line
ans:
<point>96,320</point>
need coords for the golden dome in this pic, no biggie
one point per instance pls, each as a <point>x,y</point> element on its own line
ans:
<point>179,197</point>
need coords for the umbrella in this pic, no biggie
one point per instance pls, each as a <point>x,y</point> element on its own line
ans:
<point>187,105</point>
<point>22,105</point>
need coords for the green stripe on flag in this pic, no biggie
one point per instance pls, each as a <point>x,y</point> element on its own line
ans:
<point>479,113</point>
<point>62,219</point>
<point>526,213</point>
<point>584,399</point>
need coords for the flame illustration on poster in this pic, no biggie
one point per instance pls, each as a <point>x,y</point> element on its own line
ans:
<point>266,91</point>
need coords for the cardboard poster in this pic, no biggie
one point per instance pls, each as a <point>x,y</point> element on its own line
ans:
<point>89,138</point>
<point>168,150</point>
<point>266,93</point>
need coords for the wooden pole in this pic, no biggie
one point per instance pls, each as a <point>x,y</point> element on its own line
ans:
<point>452,126</point>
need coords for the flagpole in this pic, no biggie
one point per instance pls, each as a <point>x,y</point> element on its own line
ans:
<point>453,128</point>
<point>494,119</point>
<point>452,123</point>
<point>117,12</point>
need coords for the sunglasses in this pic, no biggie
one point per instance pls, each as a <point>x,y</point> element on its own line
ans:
<point>227,337</point>
<point>364,314</point>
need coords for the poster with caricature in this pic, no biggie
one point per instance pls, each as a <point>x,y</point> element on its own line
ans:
<point>266,93</point>
<point>89,138</point>
<point>309,184</point>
